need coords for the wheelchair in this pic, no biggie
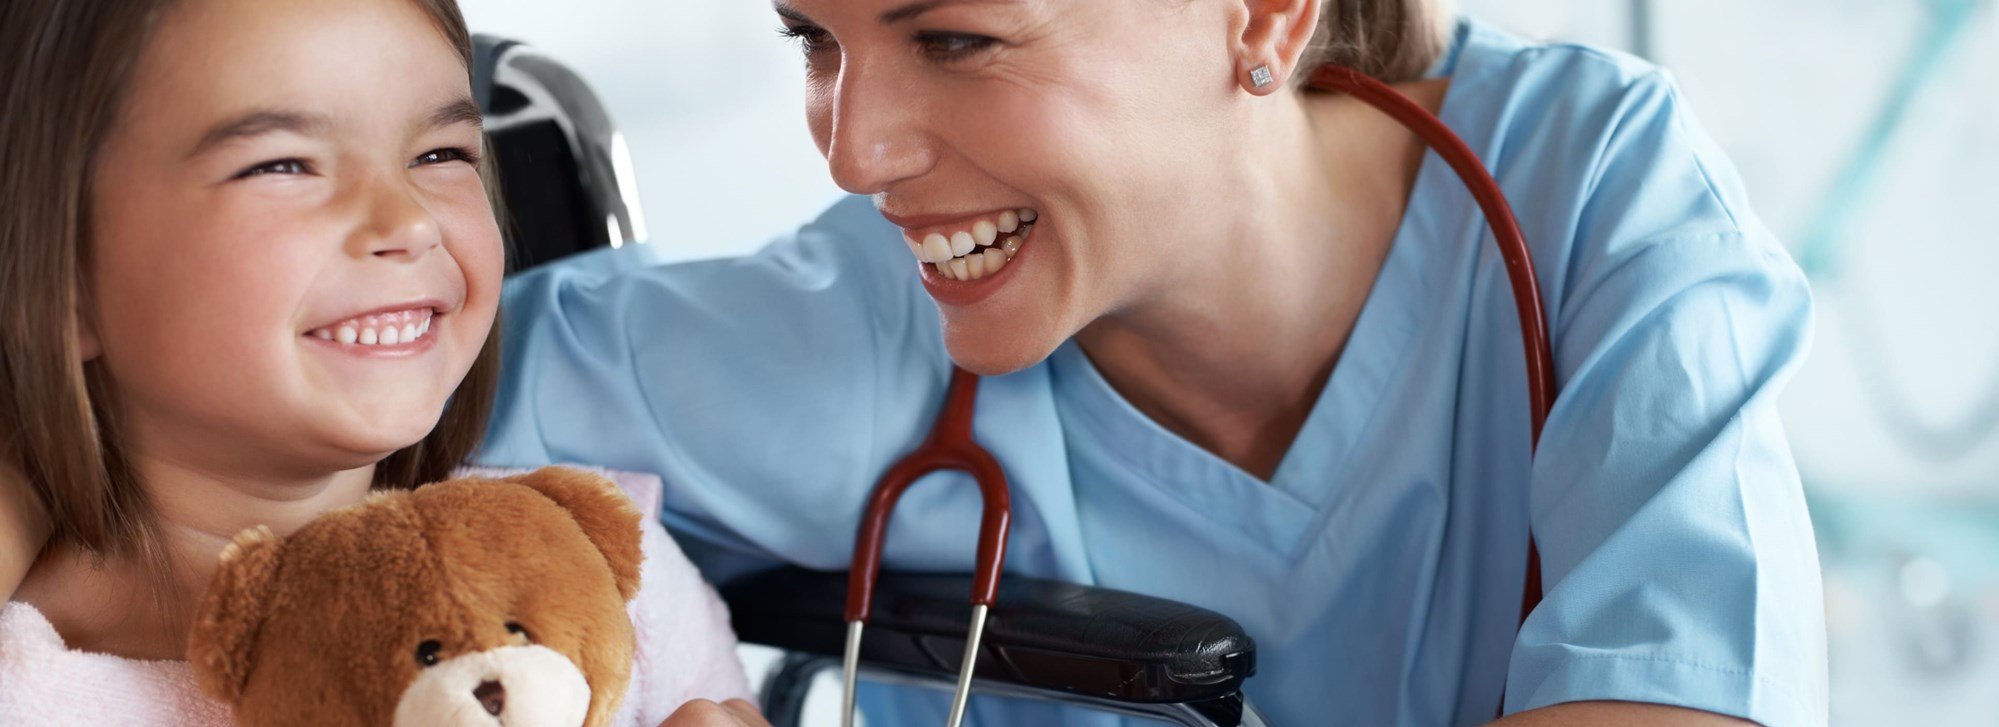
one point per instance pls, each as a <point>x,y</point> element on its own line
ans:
<point>567,181</point>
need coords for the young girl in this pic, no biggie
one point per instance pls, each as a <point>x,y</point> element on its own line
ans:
<point>248,268</point>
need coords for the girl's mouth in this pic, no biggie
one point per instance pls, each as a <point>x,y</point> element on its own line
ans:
<point>390,329</point>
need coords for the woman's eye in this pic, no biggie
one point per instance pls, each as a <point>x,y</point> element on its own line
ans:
<point>446,155</point>
<point>947,47</point>
<point>281,166</point>
<point>812,40</point>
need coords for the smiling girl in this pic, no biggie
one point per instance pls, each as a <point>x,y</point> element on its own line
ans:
<point>248,269</point>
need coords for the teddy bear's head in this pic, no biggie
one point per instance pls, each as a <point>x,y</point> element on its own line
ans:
<point>470,602</point>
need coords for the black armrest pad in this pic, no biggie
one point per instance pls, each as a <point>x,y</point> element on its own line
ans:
<point>1046,634</point>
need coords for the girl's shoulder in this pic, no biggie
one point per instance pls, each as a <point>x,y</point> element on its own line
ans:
<point>44,682</point>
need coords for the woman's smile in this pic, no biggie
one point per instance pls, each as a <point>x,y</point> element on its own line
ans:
<point>964,258</point>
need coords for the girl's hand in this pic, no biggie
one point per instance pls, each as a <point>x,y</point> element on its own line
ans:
<point>703,713</point>
<point>23,531</point>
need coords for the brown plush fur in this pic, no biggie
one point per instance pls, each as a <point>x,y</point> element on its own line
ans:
<point>322,626</point>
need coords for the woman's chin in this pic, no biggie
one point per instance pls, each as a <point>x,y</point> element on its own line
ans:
<point>994,353</point>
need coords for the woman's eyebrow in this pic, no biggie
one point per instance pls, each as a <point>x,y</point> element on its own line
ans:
<point>915,9</point>
<point>789,13</point>
<point>258,123</point>
<point>897,15</point>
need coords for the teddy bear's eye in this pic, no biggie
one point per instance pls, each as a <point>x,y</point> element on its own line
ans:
<point>516,628</point>
<point>426,652</point>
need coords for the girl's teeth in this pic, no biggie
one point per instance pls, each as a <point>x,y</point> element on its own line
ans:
<point>1027,215</point>
<point>961,244</point>
<point>983,232</point>
<point>383,330</point>
<point>960,270</point>
<point>1009,221</point>
<point>1011,246</point>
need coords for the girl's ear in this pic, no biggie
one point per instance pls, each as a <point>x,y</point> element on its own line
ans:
<point>87,343</point>
<point>222,645</point>
<point>1275,34</point>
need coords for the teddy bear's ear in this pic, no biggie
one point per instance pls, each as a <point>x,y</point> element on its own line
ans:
<point>605,514</point>
<point>225,629</point>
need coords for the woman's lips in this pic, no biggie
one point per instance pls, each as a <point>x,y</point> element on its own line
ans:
<point>969,248</point>
<point>966,291</point>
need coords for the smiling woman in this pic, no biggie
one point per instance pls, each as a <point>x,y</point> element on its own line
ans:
<point>1248,348</point>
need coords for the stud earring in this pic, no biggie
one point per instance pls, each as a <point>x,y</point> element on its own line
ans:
<point>1260,76</point>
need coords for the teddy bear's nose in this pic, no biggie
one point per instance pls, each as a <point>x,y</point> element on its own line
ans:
<point>492,696</point>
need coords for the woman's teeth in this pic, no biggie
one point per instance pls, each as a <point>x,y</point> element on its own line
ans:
<point>386,329</point>
<point>973,252</point>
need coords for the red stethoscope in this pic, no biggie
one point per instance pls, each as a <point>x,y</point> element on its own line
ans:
<point>950,445</point>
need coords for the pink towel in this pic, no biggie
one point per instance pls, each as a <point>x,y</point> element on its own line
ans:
<point>686,650</point>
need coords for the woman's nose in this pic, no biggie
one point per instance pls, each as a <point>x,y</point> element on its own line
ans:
<point>395,224</point>
<point>878,136</point>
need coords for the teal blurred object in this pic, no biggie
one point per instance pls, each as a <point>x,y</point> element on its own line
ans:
<point>1823,245</point>
<point>1823,250</point>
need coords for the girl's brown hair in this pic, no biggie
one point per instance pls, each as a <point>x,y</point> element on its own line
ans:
<point>1392,40</point>
<point>63,69</point>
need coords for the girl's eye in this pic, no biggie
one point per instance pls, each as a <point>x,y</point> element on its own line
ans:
<point>948,47</point>
<point>813,40</point>
<point>445,155</point>
<point>281,166</point>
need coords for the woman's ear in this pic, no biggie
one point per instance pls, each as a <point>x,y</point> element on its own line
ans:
<point>1276,35</point>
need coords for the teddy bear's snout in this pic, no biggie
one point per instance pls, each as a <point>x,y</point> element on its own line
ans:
<point>492,696</point>
<point>510,686</point>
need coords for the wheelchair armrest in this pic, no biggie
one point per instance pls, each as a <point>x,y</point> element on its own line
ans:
<point>1044,634</point>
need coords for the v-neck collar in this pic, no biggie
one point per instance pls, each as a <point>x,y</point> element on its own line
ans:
<point>1282,512</point>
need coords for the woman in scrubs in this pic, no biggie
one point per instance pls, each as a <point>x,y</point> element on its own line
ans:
<point>1247,347</point>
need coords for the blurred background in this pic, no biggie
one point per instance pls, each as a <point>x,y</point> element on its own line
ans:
<point>1865,130</point>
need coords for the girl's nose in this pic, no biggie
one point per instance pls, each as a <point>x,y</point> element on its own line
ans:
<point>396,224</point>
<point>877,137</point>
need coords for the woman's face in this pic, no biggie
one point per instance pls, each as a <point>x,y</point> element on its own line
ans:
<point>293,260</point>
<point>1112,121</point>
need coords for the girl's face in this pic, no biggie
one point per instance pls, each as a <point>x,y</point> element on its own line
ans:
<point>293,262</point>
<point>1114,121</point>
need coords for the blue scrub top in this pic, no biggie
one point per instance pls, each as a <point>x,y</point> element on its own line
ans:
<point>1380,570</point>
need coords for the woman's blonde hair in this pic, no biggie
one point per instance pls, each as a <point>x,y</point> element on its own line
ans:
<point>1391,40</point>
<point>63,69</point>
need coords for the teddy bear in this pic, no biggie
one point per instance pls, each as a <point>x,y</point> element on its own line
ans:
<point>468,602</point>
